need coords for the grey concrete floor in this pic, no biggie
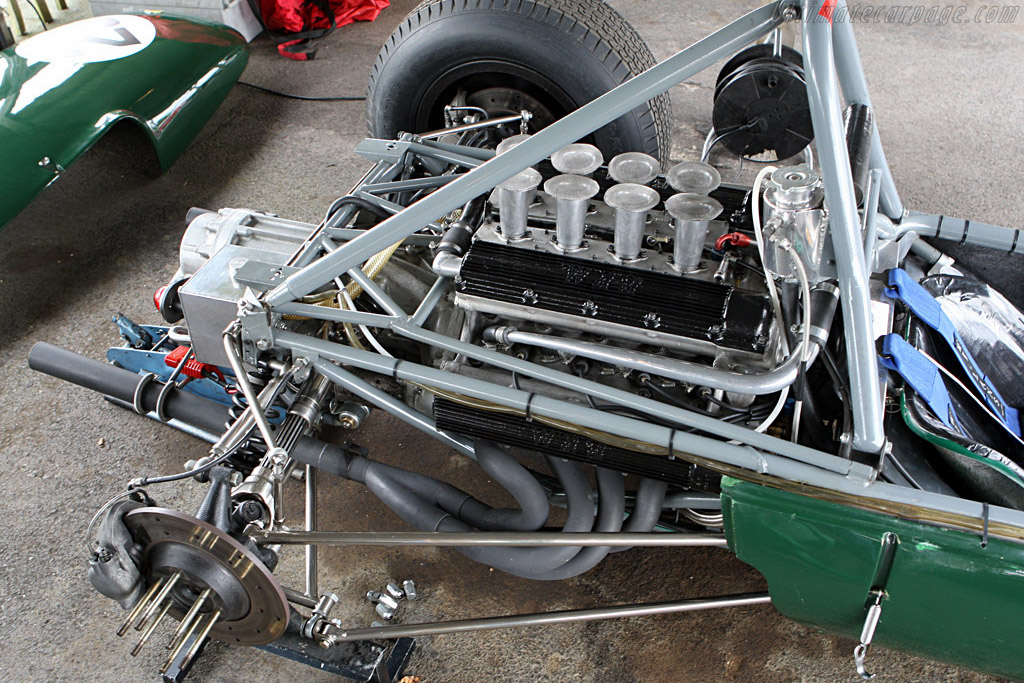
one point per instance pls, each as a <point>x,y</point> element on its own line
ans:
<point>949,104</point>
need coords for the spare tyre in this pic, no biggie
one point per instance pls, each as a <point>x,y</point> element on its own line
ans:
<point>546,56</point>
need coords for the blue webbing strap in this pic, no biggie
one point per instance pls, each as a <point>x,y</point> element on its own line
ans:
<point>923,305</point>
<point>920,373</point>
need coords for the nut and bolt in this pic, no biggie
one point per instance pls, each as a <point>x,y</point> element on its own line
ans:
<point>263,344</point>
<point>386,601</point>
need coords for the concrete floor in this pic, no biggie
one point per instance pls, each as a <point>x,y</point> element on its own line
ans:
<point>102,239</point>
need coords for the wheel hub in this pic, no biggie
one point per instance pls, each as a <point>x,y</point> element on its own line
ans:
<point>207,577</point>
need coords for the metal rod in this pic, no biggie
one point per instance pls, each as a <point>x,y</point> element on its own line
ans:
<point>311,559</point>
<point>141,605</point>
<point>255,408</point>
<point>480,153</point>
<point>434,295</point>
<point>386,401</point>
<point>488,538</point>
<point>426,183</point>
<point>871,215</point>
<point>375,292</point>
<point>186,621</point>
<point>587,119</point>
<point>539,405</point>
<point>850,72</point>
<point>486,123</point>
<point>829,137</point>
<point>200,637</point>
<point>193,627</point>
<point>299,598</point>
<point>597,390</point>
<point>151,628</point>
<point>542,618</point>
<point>336,315</point>
<point>158,600</point>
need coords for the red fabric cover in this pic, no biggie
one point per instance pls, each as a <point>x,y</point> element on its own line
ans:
<point>295,16</point>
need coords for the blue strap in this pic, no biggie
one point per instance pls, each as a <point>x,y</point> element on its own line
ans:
<point>920,373</point>
<point>923,305</point>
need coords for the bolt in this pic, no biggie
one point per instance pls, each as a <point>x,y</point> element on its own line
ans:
<point>263,344</point>
<point>386,613</point>
<point>410,589</point>
<point>373,596</point>
<point>789,13</point>
<point>394,591</point>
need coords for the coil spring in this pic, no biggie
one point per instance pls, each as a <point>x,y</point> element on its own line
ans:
<point>251,451</point>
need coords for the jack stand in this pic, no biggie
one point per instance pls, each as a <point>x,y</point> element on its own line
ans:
<point>363,661</point>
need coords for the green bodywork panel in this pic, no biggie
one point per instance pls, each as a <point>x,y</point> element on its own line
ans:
<point>946,598</point>
<point>62,90</point>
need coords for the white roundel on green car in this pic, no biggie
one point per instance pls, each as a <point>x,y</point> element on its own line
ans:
<point>100,39</point>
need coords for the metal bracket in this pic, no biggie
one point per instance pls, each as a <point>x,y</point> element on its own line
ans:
<point>256,330</point>
<point>366,662</point>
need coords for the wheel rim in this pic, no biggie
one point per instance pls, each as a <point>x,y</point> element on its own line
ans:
<point>500,88</point>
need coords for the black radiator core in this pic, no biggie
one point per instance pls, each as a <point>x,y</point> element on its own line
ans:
<point>517,431</point>
<point>670,304</point>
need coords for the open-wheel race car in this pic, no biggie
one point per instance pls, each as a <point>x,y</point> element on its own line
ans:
<point>786,369</point>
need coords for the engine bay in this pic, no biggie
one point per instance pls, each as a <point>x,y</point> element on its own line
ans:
<point>614,342</point>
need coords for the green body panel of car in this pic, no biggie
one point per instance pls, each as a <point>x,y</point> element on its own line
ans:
<point>62,90</point>
<point>948,596</point>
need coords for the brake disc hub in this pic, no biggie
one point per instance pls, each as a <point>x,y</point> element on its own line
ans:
<point>206,580</point>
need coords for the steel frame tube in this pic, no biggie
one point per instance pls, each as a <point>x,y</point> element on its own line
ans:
<point>797,462</point>
<point>854,84</point>
<point>385,401</point>
<point>961,230</point>
<point>781,459</point>
<point>336,315</point>
<point>118,382</point>
<point>453,539</point>
<point>583,121</point>
<point>837,177</point>
<point>376,293</point>
<point>547,618</point>
<point>871,215</point>
<point>437,291</point>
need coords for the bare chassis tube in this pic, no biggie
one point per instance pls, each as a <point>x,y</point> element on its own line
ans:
<point>831,62</point>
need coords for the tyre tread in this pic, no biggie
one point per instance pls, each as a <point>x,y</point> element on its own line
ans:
<point>593,24</point>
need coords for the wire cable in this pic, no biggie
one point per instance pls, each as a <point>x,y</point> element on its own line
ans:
<point>304,98</point>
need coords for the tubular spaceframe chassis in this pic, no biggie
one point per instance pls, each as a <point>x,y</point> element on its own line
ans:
<point>831,62</point>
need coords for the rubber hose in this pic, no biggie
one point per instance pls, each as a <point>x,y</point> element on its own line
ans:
<point>122,384</point>
<point>611,509</point>
<point>650,499</point>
